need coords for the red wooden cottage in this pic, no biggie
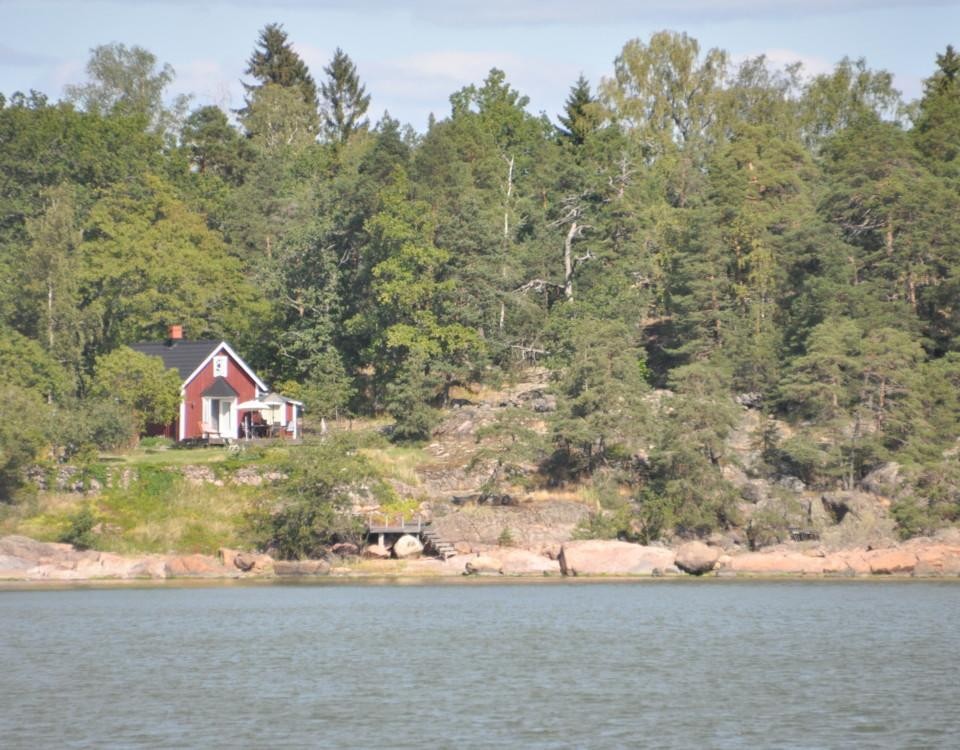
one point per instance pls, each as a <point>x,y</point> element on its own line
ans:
<point>222,398</point>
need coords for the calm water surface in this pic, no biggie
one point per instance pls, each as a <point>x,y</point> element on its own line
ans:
<point>658,664</point>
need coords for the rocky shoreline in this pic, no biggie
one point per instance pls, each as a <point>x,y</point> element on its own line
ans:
<point>26,560</point>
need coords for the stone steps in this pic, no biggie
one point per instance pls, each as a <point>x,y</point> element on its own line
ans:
<point>443,548</point>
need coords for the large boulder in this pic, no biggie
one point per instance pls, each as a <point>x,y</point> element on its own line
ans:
<point>605,557</point>
<point>407,547</point>
<point>697,558</point>
<point>376,552</point>
<point>253,562</point>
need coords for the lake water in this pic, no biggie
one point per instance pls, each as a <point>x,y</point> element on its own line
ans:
<point>659,664</point>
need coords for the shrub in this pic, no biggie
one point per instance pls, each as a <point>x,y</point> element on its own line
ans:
<point>80,533</point>
<point>310,510</point>
<point>607,525</point>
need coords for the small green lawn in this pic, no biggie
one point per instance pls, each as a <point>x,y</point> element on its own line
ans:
<point>167,456</point>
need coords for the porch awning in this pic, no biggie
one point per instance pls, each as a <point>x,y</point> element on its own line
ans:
<point>220,388</point>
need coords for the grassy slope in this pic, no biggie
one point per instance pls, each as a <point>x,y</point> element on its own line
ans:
<point>162,512</point>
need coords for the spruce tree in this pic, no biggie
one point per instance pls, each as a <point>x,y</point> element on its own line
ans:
<point>345,99</point>
<point>937,131</point>
<point>275,62</point>
<point>580,116</point>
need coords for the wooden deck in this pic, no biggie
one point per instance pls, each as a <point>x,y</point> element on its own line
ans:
<point>384,525</point>
<point>380,526</point>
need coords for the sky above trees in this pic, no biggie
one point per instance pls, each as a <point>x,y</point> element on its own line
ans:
<point>412,53</point>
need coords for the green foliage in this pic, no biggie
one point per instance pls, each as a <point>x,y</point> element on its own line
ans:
<point>514,447</point>
<point>845,97</point>
<point>773,524</point>
<point>275,64</point>
<point>345,99</point>
<point>582,114</point>
<point>618,524</point>
<point>24,433</point>
<point>140,383</point>
<point>932,502</point>
<point>80,532</point>
<point>148,259</point>
<point>936,132</point>
<point>601,414</point>
<point>310,509</point>
<point>125,81</point>
<point>25,364</point>
<point>713,229</point>
<point>686,488</point>
<point>408,399</point>
<point>214,147</point>
<point>103,423</point>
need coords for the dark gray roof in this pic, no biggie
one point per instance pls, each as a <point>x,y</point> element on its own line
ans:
<point>219,388</point>
<point>183,356</point>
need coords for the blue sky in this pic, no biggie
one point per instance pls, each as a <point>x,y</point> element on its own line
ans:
<point>412,54</point>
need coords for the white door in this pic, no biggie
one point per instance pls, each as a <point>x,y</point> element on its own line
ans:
<point>227,428</point>
<point>221,416</point>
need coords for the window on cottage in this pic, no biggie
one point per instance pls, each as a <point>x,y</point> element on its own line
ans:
<point>220,367</point>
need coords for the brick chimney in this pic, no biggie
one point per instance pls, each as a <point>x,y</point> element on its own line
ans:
<point>176,334</point>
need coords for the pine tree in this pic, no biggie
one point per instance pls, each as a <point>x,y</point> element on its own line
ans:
<point>345,99</point>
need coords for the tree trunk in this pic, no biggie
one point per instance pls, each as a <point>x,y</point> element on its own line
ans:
<point>50,315</point>
<point>568,264</point>
<point>506,202</point>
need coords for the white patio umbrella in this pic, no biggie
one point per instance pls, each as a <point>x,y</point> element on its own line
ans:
<point>255,404</point>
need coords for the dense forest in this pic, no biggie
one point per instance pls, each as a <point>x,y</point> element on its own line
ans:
<point>688,237</point>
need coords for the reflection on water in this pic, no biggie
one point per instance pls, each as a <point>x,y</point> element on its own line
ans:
<point>657,664</point>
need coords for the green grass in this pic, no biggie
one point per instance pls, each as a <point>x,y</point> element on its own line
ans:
<point>397,462</point>
<point>167,457</point>
<point>159,511</point>
<point>161,514</point>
